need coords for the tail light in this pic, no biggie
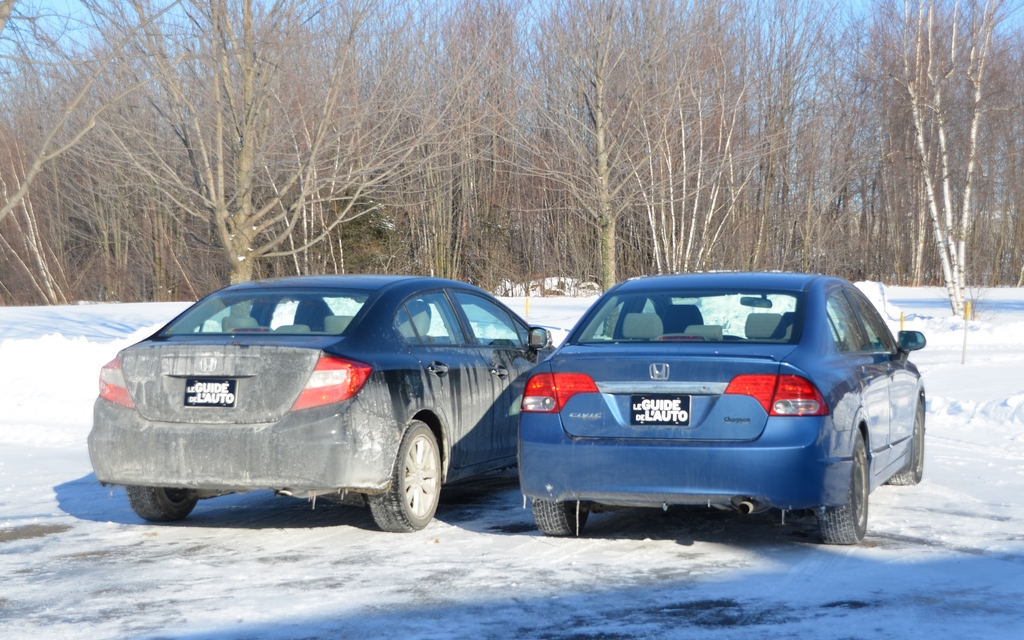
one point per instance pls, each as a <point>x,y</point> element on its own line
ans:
<point>781,395</point>
<point>333,380</point>
<point>548,392</point>
<point>112,384</point>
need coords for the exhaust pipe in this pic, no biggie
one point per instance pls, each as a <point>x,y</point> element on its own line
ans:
<point>744,505</point>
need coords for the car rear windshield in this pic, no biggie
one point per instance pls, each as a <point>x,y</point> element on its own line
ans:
<point>699,316</point>
<point>270,312</point>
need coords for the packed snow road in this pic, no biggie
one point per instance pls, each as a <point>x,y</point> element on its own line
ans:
<point>941,560</point>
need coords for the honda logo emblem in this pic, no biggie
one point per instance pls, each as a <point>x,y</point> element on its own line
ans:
<point>209,364</point>
<point>659,371</point>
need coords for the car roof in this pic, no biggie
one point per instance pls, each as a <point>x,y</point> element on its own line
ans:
<point>358,282</point>
<point>723,280</point>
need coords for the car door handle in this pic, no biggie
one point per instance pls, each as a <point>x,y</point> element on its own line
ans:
<point>501,372</point>
<point>437,368</point>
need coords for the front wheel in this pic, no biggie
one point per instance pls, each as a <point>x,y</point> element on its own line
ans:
<point>848,524</point>
<point>409,504</point>
<point>160,504</point>
<point>914,471</point>
<point>560,518</point>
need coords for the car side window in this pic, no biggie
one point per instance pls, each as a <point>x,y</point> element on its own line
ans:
<point>878,335</point>
<point>843,322</point>
<point>490,324</point>
<point>428,319</point>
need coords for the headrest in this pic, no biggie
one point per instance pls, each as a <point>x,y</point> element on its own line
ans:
<point>706,331</point>
<point>336,325</point>
<point>642,326</point>
<point>680,316</point>
<point>230,323</point>
<point>761,326</point>
<point>419,313</point>
<point>292,328</point>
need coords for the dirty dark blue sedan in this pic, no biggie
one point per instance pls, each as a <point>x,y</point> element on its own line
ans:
<point>743,391</point>
<point>359,389</point>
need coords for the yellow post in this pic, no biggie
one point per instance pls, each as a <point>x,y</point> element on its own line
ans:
<point>901,321</point>
<point>527,309</point>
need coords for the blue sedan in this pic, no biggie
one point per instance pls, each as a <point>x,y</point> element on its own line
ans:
<point>743,391</point>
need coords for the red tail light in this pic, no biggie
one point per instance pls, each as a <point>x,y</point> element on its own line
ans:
<point>781,395</point>
<point>759,387</point>
<point>548,392</point>
<point>333,380</point>
<point>112,384</point>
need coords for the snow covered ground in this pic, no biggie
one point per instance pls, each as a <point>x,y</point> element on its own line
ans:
<point>941,560</point>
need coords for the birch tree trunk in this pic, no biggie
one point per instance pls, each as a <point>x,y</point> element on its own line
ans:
<point>934,65</point>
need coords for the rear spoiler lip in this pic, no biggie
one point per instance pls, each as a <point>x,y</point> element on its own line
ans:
<point>649,387</point>
<point>635,354</point>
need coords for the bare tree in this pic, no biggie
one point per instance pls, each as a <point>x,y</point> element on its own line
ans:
<point>44,51</point>
<point>266,138</point>
<point>944,50</point>
<point>166,148</point>
<point>590,85</point>
<point>693,176</point>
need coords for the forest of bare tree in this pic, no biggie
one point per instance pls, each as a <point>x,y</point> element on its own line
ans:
<point>158,150</point>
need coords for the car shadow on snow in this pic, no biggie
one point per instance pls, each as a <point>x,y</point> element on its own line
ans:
<point>474,501</point>
<point>489,504</point>
<point>86,499</point>
<point>683,525</point>
<point>687,525</point>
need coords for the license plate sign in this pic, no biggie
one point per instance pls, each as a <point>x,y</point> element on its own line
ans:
<point>659,411</point>
<point>210,392</point>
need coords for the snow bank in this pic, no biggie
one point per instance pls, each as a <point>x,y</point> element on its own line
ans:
<point>50,359</point>
<point>998,316</point>
<point>875,292</point>
<point>1004,411</point>
<point>50,383</point>
<point>92,321</point>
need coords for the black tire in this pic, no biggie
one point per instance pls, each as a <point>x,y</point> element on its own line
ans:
<point>560,518</point>
<point>411,500</point>
<point>160,504</point>
<point>848,524</point>
<point>914,471</point>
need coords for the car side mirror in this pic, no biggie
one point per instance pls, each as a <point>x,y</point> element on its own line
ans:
<point>911,341</point>
<point>539,338</point>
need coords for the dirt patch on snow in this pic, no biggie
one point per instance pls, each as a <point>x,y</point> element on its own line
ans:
<point>29,531</point>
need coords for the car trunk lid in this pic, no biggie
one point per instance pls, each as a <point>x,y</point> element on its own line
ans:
<point>654,393</point>
<point>216,383</point>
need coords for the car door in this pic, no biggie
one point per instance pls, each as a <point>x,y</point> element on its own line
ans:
<point>871,368</point>
<point>501,344</point>
<point>902,382</point>
<point>459,384</point>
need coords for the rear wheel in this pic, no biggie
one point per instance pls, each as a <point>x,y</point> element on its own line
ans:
<point>409,504</point>
<point>160,504</point>
<point>848,524</point>
<point>560,518</point>
<point>914,471</point>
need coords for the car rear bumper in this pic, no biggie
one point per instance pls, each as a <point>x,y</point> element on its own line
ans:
<point>791,466</point>
<point>316,450</point>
